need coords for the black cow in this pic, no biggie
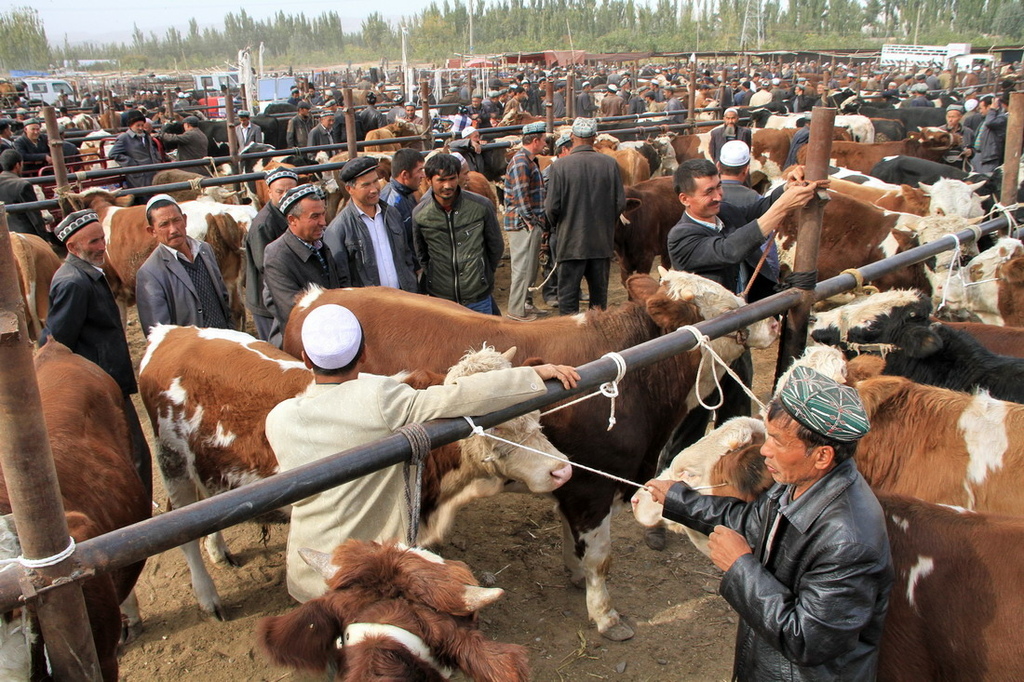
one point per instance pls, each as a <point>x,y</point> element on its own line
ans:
<point>889,129</point>
<point>897,325</point>
<point>914,118</point>
<point>910,170</point>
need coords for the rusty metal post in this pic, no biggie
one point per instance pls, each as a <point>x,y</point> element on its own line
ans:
<point>952,75</point>
<point>549,106</point>
<point>32,486</point>
<point>570,95</point>
<point>229,114</point>
<point>60,169</point>
<point>428,131</point>
<point>1011,157</point>
<point>691,96</point>
<point>168,106</point>
<point>350,124</point>
<point>819,148</point>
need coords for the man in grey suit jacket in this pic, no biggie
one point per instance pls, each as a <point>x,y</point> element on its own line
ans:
<point>246,131</point>
<point>180,283</point>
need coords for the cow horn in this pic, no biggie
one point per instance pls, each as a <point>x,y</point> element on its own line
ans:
<point>927,189</point>
<point>975,186</point>
<point>321,561</point>
<point>975,221</point>
<point>624,219</point>
<point>510,353</point>
<point>475,597</point>
<point>984,197</point>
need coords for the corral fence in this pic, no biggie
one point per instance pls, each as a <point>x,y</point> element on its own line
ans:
<point>54,590</point>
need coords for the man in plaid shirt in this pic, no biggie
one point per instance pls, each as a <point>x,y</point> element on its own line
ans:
<point>524,218</point>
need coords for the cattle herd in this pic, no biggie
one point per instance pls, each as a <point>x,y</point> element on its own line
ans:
<point>936,351</point>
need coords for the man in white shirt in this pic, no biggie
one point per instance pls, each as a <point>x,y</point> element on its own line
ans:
<point>367,237</point>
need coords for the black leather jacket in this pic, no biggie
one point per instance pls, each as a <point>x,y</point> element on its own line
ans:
<point>816,610</point>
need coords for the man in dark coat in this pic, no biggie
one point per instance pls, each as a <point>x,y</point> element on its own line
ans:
<point>135,147</point>
<point>299,126</point>
<point>33,146</point>
<point>298,257</point>
<point>180,283</point>
<point>585,196</point>
<point>807,564</point>
<point>367,237</point>
<point>268,225</point>
<point>16,190</point>
<point>729,130</point>
<point>191,144</point>
<point>84,317</point>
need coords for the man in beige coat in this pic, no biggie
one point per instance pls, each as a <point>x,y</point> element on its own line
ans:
<point>344,409</point>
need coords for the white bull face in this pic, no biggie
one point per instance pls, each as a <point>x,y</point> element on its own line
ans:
<point>696,466</point>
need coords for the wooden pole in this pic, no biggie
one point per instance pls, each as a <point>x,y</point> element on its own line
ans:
<point>570,95</point>
<point>168,106</point>
<point>32,486</point>
<point>60,169</point>
<point>229,114</point>
<point>350,124</point>
<point>691,102</point>
<point>819,148</point>
<point>428,132</point>
<point>1011,157</point>
<point>549,106</point>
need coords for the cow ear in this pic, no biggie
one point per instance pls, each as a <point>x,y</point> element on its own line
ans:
<point>640,288</point>
<point>476,598</point>
<point>124,201</point>
<point>632,205</point>
<point>304,638</point>
<point>828,336</point>
<point>321,561</point>
<point>668,313</point>
<point>1012,272</point>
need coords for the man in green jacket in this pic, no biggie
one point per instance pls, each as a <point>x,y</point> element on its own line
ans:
<point>457,238</point>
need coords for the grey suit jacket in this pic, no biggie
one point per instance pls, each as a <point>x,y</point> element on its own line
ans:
<point>289,267</point>
<point>165,293</point>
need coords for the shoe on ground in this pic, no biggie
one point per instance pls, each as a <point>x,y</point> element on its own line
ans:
<point>551,302</point>
<point>529,308</point>
<point>529,317</point>
<point>584,296</point>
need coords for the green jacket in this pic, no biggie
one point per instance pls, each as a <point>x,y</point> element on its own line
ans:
<point>459,250</point>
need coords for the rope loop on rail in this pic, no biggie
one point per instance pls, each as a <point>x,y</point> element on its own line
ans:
<point>1005,211</point>
<point>609,389</point>
<point>800,280</point>
<point>954,264</point>
<point>195,184</point>
<point>858,276</point>
<point>419,443</point>
<point>706,351</point>
<point>45,561</point>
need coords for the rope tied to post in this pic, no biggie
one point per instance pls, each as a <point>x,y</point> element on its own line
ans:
<point>196,185</point>
<point>419,444</point>
<point>45,561</point>
<point>1007,212</point>
<point>706,351</point>
<point>807,281</point>
<point>213,166</point>
<point>858,277</point>
<point>609,389</point>
<point>954,264</point>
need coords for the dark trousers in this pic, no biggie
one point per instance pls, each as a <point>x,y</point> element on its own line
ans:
<point>263,326</point>
<point>571,272</point>
<point>141,458</point>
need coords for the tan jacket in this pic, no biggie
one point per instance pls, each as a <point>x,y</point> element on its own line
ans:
<point>329,418</point>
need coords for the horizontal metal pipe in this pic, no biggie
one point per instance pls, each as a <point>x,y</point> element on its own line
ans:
<point>138,541</point>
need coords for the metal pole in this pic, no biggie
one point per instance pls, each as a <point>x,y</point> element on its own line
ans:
<point>229,114</point>
<point>549,106</point>
<point>350,124</point>
<point>1011,157</point>
<point>428,130</point>
<point>60,169</point>
<point>819,147</point>
<point>32,486</point>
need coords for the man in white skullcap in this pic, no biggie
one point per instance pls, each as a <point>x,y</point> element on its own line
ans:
<point>311,427</point>
<point>734,167</point>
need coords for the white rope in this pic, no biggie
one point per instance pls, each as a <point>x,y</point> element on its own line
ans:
<point>479,431</point>
<point>45,561</point>
<point>1006,212</point>
<point>609,389</point>
<point>954,263</point>
<point>704,344</point>
<point>981,281</point>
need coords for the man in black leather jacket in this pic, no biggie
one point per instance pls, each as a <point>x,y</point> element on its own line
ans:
<point>809,570</point>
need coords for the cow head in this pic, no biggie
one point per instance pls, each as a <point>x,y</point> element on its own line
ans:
<point>422,606</point>
<point>503,461</point>
<point>99,200</point>
<point>954,197</point>
<point>726,462</point>
<point>895,320</point>
<point>936,138</point>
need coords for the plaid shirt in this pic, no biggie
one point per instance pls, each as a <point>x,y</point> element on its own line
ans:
<point>524,193</point>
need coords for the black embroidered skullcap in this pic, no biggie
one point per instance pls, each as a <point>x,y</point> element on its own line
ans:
<point>297,194</point>
<point>73,223</point>
<point>278,173</point>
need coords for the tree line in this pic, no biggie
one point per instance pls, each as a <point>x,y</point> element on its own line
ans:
<point>441,29</point>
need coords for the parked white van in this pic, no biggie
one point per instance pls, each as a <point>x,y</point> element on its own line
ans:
<point>48,89</point>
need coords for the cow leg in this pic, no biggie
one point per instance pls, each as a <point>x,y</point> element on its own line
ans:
<point>131,619</point>
<point>591,560</point>
<point>182,491</point>
<point>217,548</point>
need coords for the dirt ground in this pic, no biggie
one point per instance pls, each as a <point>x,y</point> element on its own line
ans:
<point>684,630</point>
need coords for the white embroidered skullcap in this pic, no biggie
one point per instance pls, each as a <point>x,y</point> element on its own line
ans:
<point>331,336</point>
<point>735,153</point>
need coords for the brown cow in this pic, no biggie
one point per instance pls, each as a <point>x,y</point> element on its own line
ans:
<point>36,263</point>
<point>382,134</point>
<point>1000,340</point>
<point>949,614</point>
<point>409,330</point>
<point>1011,292</point>
<point>652,209</point>
<point>929,143</point>
<point>401,613</point>
<point>633,165</point>
<point>210,432</point>
<point>219,193</point>
<point>101,492</point>
<point>904,199</point>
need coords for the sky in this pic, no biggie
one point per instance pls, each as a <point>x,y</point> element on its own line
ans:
<point>107,20</point>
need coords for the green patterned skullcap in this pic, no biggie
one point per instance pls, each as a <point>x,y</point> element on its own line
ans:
<point>824,406</point>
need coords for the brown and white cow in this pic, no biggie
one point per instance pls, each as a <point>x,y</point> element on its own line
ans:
<point>952,609</point>
<point>208,393</point>
<point>409,330</point>
<point>978,290</point>
<point>101,492</point>
<point>929,143</point>
<point>902,198</point>
<point>36,264</point>
<point>129,244</point>
<point>392,613</point>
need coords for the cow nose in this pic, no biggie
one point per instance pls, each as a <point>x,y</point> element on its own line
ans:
<point>775,327</point>
<point>562,475</point>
